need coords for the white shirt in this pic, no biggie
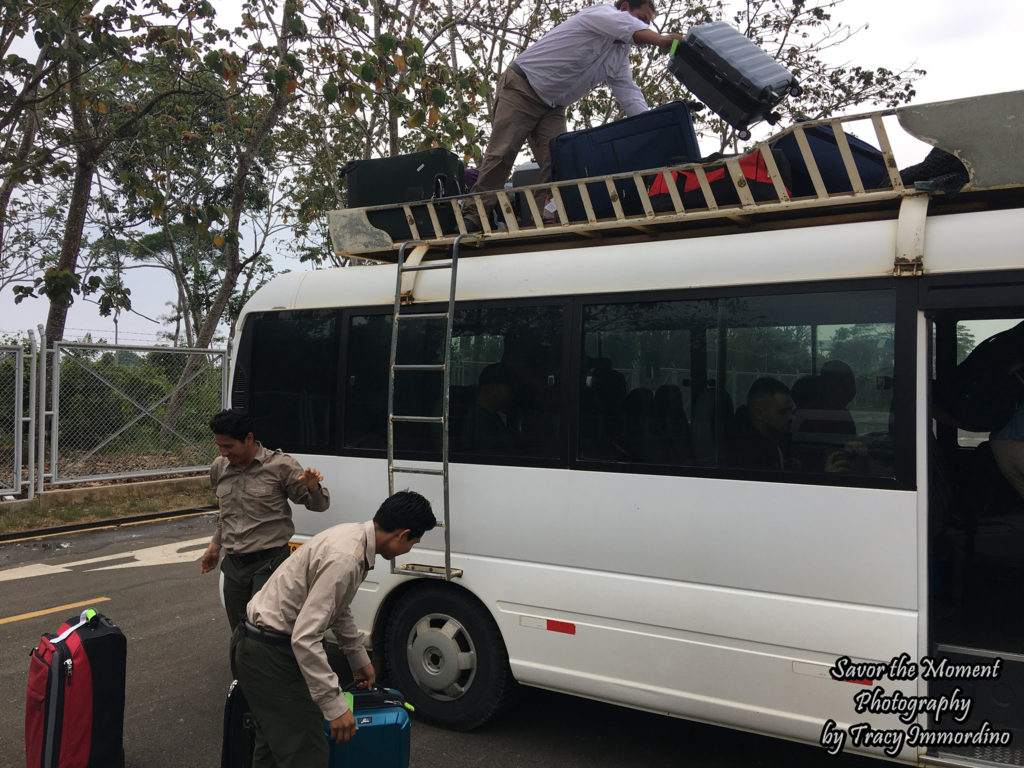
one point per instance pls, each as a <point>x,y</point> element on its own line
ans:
<point>582,52</point>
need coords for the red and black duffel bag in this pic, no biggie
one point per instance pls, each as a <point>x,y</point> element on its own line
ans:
<point>755,174</point>
<point>74,710</point>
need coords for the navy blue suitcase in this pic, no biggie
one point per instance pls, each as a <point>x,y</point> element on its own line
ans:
<point>822,142</point>
<point>382,738</point>
<point>741,83</point>
<point>654,139</point>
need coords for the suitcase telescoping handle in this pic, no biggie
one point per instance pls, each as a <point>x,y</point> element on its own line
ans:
<point>377,696</point>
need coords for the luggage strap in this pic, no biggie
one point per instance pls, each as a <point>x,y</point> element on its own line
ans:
<point>86,616</point>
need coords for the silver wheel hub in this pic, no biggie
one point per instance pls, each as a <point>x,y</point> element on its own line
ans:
<point>441,657</point>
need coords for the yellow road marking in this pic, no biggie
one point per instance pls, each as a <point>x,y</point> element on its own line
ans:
<point>58,609</point>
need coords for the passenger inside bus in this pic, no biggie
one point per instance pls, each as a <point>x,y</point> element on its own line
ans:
<point>486,429</point>
<point>762,438</point>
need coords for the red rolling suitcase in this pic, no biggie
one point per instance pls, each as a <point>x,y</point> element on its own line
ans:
<point>74,708</point>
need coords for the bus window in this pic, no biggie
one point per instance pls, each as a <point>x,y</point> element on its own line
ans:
<point>637,391</point>
<point>287,378</point>
<point>505,383</point>
<point>799,382</point>
<point>812,374</point>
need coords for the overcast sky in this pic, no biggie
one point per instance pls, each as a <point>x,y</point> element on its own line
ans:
<point>967,47</point>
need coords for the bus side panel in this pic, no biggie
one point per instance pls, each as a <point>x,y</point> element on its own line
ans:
<point>720,608</point>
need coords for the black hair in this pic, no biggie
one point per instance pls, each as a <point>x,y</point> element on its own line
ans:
<point>234,423</point>
<point>405,509</point>
<point>766,386</point>
<point>634,4</point>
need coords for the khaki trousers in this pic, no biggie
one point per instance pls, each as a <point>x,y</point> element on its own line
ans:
<point>289,726</point>
<point>519,117</point>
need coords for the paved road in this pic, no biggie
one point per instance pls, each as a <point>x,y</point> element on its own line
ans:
<point>146,577</point>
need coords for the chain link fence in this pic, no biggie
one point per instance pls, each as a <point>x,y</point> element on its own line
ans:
<point>12,405</point>
<point>133,411</point>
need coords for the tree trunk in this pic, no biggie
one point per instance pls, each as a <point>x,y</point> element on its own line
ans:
<point>71,243</point>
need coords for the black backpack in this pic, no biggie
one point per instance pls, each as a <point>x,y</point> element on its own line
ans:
<point>988,386</point>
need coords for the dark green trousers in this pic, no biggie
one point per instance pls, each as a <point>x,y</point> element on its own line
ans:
<point>289,726</point>
<point>243,580</point>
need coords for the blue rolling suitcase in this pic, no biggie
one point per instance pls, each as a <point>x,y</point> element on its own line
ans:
<point>657,138</point>
<point>741,83</point>
<point>382,738</point>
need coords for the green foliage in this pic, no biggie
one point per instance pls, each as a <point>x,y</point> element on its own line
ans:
<point>207,144</point>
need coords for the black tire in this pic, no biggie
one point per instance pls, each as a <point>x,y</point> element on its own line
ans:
<point>444,652</point>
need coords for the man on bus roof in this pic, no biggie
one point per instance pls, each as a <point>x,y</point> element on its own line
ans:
<point>253,487</point>
<point>277,650</point>
<point>561,68</point>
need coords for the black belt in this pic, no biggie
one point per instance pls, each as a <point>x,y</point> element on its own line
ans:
<point>519,71</point>
<point>247,558</point>
<point>264,635</point>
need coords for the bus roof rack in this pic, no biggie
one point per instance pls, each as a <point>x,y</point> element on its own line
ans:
<point>983,132</point>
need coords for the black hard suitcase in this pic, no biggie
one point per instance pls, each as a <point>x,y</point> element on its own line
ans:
<point>741,83</point>
<point>523,176</point>
<point>74,706</point>
<point>239,731</point>
<point>654,139</point>
<point>429,175</point>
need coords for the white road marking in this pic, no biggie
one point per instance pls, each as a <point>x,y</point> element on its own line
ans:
<point>163,554</point>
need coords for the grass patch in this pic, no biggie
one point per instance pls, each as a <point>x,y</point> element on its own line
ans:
<point>29,518</point>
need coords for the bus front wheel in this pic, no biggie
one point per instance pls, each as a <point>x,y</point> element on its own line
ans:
<point>445,654</point>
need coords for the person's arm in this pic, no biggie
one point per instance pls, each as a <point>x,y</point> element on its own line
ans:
<point>650,37</point>
<point>328,597</point>
<point>304,486</point>
<point>211,557</point>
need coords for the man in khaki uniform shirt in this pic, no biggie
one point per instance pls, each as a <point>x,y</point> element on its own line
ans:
<point>253,486</point>
<point>277,652</point>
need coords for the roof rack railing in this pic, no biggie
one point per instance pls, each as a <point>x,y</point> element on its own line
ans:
<point>956,126</point>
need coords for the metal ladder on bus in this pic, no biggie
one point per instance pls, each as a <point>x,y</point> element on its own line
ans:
<point>411,265</point>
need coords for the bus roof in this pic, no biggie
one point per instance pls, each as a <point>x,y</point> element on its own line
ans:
<point>983,132</point>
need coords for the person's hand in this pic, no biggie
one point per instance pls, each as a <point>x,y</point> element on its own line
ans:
<point>364,677</point>
<point>210,558</point>
<point>850,460</point>
<point>311,479</point>
<point>344,727</point>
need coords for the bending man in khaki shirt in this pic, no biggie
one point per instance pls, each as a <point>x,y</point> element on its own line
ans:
<point>253,486</point>
<point>277,652</point>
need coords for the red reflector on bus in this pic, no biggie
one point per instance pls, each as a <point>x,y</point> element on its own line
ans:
<point>865,681</point>
<point>561,626</point>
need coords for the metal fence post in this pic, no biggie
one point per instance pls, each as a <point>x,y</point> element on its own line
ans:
<point>33,364</point>
<point>41,403</point>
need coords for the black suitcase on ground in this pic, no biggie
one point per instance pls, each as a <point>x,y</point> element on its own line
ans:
<point>429,175</point>
<point>74,707</point>
<point>741,83</point>
<point>239,731</point>
<point>654,139</point>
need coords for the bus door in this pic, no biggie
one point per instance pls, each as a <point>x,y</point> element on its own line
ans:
<point>976,524</point>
